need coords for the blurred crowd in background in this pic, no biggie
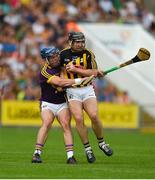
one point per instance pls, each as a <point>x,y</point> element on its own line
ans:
<point>28,25</point>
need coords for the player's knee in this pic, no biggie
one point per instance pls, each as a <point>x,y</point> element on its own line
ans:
<point>79,123</point>
<point>94,117</point>
<point>65,125</point>
<point>47,125</point>
<point>78,119</point>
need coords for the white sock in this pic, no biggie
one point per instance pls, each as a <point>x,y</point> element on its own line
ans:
<point>101,144</point>
<point>37,151</point>
<point>69,154</point>
<point>88,149</point>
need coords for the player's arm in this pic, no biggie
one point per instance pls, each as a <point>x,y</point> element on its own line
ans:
<point>61,82</point>
<point>58,81</point>
<point>91,68</point>
<point>83,72</point>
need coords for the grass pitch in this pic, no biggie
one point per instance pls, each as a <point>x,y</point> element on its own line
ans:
<point>134,156</point>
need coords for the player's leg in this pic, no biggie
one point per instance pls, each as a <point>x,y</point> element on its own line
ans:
<point>76,108</point>
<point>90,106</point>
<point>64,119</point>
<point>47,119</point>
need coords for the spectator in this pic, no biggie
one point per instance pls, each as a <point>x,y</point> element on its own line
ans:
<point>27,25</point>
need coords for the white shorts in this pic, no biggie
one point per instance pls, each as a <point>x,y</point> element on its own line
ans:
<point>80,94</point>
<point>55,108</point>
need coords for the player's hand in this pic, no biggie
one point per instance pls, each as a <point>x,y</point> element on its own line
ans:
<point>100,73</point>
<point>84,81</point>
<point>70,68</point>
<point>97,73</point>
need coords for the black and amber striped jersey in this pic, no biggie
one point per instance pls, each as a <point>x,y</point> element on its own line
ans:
<point>84,59</point>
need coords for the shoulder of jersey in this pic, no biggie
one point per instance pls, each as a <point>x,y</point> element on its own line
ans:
<point>89,51</point>
<point>66,49</point>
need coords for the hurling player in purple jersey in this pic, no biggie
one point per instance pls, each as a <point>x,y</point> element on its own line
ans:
<point>53,102</point>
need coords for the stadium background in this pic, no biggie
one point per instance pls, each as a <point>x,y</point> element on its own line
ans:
<point>28,25</point>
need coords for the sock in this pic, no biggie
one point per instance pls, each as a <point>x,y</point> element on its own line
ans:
<point>37,151</point>
<point>38,148</point>
<point>101,141</point>
<point>87,146</point>
<point>69,150</point>
<point>69,154</point>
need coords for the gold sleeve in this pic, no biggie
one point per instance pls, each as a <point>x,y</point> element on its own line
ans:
<point>49,79</point>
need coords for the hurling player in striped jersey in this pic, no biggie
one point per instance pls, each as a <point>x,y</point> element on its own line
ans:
<point>77,62</point>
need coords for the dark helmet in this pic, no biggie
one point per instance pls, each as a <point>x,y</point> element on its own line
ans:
<point>76,36</point>
<point>47,52</point>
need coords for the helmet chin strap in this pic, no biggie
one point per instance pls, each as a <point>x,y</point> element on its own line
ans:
<point>47,61</point>
<point>70,43</point>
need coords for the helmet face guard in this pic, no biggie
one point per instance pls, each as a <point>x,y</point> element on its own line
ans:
<point>48,52</point>
<point>75,37</point>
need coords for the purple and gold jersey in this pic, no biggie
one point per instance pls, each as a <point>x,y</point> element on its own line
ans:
<point>50,93</point>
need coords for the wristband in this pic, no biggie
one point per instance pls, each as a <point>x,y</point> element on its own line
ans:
<point>78,80</point>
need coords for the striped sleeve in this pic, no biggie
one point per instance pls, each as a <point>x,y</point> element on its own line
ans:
<point>91,61</point>
<point>46,74</point>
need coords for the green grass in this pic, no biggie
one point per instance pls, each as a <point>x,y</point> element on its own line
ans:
<point>134,156</point>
